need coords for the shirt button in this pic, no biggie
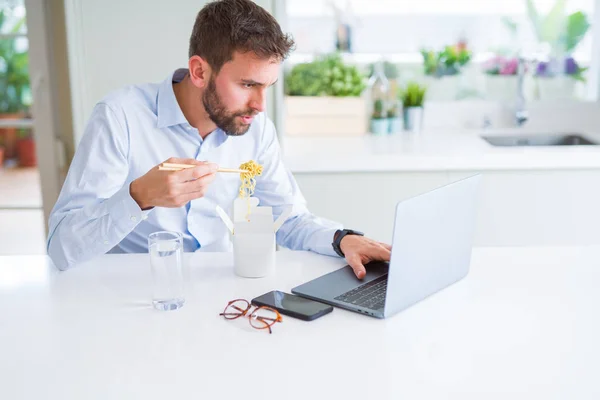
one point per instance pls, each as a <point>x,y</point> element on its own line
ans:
<point>144,217</point>
<point>106,242</point>
<point>133,218</point>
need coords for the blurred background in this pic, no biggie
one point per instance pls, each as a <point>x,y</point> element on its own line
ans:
<point>382,79</point>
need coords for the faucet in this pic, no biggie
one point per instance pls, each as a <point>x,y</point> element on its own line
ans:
<point>521,114</point>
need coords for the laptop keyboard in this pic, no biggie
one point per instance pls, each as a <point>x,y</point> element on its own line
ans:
<point>370,295</point>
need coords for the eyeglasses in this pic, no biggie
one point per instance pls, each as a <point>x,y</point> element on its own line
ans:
<point>261,318</point>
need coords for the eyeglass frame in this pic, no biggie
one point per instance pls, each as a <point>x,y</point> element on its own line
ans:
<point>242,313</point>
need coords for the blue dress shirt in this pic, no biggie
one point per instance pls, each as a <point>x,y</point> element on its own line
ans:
<point>136,128</point>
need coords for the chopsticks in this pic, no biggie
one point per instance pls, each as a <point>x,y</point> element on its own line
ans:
<point>179,167</point>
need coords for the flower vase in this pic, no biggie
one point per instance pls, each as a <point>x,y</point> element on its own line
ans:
<point>501,88</point>
<point>444,88</point>
<point>379,126</point>
<point>413,119</point>
<point>395,125</point>
<point>556,88</point>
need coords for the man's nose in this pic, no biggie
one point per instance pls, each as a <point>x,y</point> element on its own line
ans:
<point>259,101</point>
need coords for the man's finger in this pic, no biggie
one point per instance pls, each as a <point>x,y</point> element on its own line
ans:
<point>190,161</point>
<point>355,262</point>
<point>185,198</point>
<point>387,246</point>
<point>384,253</point>
<point>198,184</point>
<point>198,171</point>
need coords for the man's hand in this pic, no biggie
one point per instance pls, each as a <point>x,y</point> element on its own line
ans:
<point>173,188</point>
<point>360,250</point>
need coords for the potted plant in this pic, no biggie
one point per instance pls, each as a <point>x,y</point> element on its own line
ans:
<point>443,69</point>
<point>1,151</point>
<point>501,78</point>
<point>379,120</point>
<point>323,98</point>
<point>26,148</point>
<point>413,98</point>
<point>558,73</point>
<point>14,83</point>
<point>556,80</point>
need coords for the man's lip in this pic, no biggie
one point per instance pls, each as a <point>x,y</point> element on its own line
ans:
<point>247,117</point>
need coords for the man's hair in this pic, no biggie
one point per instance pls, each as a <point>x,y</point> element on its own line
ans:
<point>225,26</point>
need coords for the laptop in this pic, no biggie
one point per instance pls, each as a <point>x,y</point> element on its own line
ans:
<point>431,249</point>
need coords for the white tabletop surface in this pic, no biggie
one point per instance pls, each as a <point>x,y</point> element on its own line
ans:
<point>524,324</point>
<point>440,150</point>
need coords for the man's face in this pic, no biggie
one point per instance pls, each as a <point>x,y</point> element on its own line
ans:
<point>238,92</point>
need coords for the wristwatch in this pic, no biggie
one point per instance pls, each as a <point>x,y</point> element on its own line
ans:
<point>339,235</point>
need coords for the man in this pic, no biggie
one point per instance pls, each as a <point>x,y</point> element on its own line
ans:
<point>208,115</point>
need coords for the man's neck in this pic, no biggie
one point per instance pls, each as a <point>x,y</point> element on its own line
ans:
<point>189,99</point>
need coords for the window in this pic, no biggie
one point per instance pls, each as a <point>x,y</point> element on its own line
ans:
<point>399,29</point>
<point>15,93</point>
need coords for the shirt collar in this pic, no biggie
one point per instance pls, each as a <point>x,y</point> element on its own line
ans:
<point>168,111</point>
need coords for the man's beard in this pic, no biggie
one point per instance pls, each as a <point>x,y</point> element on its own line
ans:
<point>225,120</point>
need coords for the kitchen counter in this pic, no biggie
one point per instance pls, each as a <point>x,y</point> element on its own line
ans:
<point>438,150</point>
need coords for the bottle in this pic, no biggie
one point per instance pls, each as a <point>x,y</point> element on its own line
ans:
<point>378,95</point>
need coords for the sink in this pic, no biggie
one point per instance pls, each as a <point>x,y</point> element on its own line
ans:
<point>547,139</point>
<point>532,139</point>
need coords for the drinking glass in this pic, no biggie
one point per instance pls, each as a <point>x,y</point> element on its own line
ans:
<point>166,260</point>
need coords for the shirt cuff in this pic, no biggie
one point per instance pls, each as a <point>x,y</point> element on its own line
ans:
<point>124,210</point>
<point>324,240</point>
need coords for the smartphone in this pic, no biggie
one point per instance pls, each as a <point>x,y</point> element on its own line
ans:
<point>292,305</point>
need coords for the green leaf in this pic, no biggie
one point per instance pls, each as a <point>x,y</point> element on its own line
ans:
<point>510,24</point>
<point>14,79</point>
<point>18,25</point>
<point>325,76</point>
<point>554,24</point>
<point>577,27</point>
<point>413,95</point>
<point>534,17</point>
<point>578,76</point>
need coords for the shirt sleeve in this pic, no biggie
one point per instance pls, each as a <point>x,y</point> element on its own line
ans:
<point>94,210</point>
<point>276,187</point>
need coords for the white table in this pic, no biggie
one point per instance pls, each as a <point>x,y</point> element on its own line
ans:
<point>524,324</point>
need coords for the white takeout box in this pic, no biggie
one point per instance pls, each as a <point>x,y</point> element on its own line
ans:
<point>253,235</point>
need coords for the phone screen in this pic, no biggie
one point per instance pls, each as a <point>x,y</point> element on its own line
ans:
<point>290,302</point>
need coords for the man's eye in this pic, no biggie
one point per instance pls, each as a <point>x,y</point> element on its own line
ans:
<point>248,85</point>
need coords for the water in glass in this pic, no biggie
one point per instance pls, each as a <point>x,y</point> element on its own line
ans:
<point>166,255</point>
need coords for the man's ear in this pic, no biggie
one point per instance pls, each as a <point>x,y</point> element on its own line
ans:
<point>199,71</point>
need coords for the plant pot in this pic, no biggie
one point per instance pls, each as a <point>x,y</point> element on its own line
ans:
<point>10,136</point>
<point>502,88</point>
<point>413,119</point>
<point>325,116</point>
<point>444,88</point>
<point>26,153</point>
<point>380,126</point>
<point>556,88</point>
<point>395,125</point>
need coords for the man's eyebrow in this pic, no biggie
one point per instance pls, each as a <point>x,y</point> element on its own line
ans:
<point>253,82</point>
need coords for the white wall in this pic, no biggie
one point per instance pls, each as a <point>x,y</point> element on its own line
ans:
<point>113,43</point>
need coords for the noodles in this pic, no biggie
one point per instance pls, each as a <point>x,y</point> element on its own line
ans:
<point>249,181</point>
<point>248,178</point>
